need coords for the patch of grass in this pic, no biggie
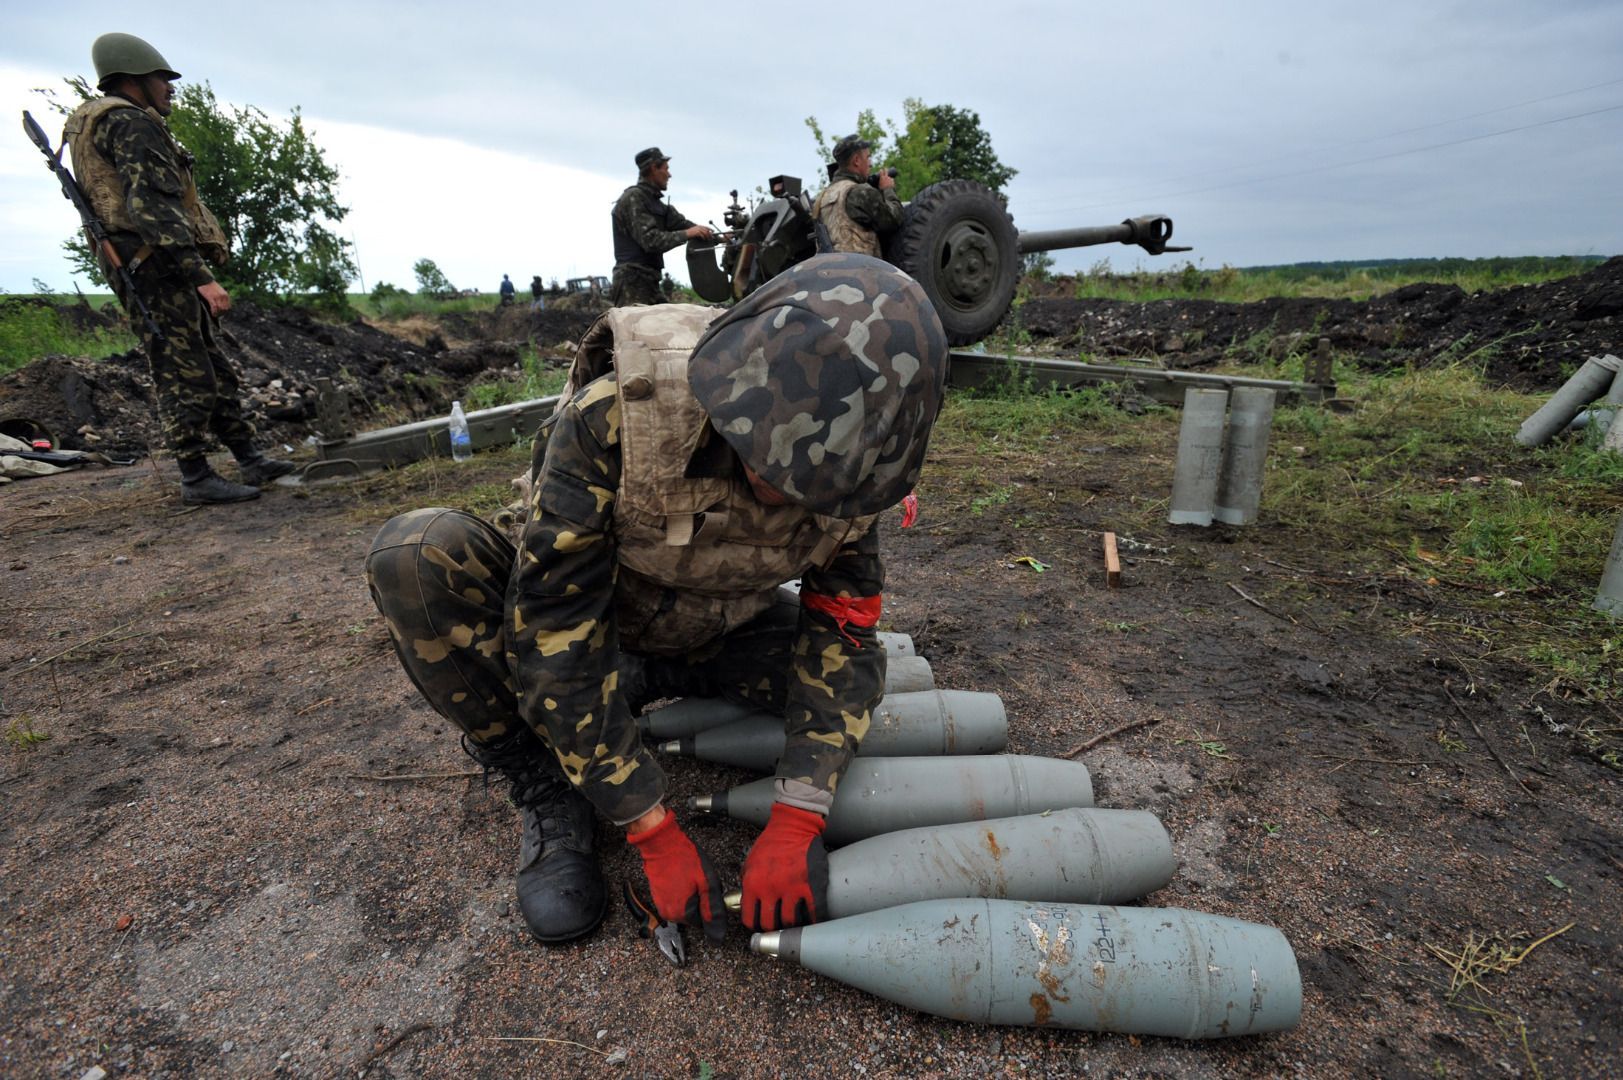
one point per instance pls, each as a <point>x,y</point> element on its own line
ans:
<point>1450,742</point>
<point>1348,280</point>
<point>481,486</point>
<point>22,737</point>
<point>995,497</point>
<point>1586,667</point>
<point>29,331</point>
<point>1014,415</point>
<point>1209,747</point>
<point>404,305</point>
<point>536,380</point>
<point>1426,465</point>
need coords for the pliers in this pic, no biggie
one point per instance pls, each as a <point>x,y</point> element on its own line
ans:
<point>667,935</point>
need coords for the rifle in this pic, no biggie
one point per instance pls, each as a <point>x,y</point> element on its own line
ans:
<point>95,231</point>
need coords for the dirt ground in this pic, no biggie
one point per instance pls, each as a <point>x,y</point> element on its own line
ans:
<point>202,874</point>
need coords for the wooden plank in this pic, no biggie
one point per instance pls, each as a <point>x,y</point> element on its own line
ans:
<point>1112,562</point>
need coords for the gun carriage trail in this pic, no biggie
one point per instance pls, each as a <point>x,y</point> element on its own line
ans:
<point>249,848</point>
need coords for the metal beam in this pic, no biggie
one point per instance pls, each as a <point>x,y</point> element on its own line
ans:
<point>972,369</point>
<point>371,451</point>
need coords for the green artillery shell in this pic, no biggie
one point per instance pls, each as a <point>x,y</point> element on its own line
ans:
<point>1076,856</point>
<point>1141,971</point>
<point>903,675</point>
<point>927,723</point>
<point>880,795</point>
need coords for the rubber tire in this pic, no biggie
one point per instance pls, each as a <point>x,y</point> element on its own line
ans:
<point>962,223</point>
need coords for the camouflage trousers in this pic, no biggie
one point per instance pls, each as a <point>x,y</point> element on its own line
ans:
<point>635,284</point>
<point>439,578</point>
<point>197,386</point>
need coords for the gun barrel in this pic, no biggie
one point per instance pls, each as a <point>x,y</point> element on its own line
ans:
<point>1150,232</point>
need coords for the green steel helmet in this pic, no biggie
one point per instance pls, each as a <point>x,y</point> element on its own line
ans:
<point>826,381</point>
<point>126,54</point>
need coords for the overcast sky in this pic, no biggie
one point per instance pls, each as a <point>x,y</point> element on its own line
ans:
<point>495,139</point>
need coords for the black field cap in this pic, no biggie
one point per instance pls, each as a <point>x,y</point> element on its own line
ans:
<point>850,145</point>
<point>652,154</point>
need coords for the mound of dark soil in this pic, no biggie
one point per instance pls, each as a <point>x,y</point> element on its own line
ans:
<point>280,353</point>
<point>559,322</point>
<point>1527,336</point>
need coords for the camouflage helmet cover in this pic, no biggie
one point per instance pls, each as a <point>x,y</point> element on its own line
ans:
<point>827,381</point>
<point>849,145</point>
<point>126,54</point>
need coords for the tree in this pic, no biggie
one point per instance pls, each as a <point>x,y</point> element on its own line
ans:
<point>431,280</point>
<point>933,142</point>
<point>272,190</point>
<point>956,146</point>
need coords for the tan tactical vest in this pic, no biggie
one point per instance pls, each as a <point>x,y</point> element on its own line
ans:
<point>698,556</point>
<point>104,189</point>
<point>846,234</point>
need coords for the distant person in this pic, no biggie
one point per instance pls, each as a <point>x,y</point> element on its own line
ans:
<point>857,214</point>
<point>645,227</point>
<point>139,181</point>
<point>536,289</point>
<point>507,291</point>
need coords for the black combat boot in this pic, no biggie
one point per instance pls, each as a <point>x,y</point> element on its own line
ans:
<point>560,887</point>
<point>201,484</point>
<point>257,469</point>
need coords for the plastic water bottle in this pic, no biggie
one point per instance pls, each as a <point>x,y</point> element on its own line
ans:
<point>461,441</point>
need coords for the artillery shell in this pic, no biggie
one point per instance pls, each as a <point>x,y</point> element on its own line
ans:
<point>1142,971</point>
<point>880,795</point>
<point>1075,856</point>
<point>924,723</point>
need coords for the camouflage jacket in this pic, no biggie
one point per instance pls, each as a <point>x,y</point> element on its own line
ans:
<point>880,211</point>
<point>565,625</point>
<point>646,226</point>
<point>142,186</point>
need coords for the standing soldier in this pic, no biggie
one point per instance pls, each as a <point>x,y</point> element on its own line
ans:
<point>857,214</point>
<point>139,181</point>
<point>645,227</point>
<point>705,458</point>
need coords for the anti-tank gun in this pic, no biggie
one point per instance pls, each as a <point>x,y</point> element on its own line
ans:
<point>956,238</point>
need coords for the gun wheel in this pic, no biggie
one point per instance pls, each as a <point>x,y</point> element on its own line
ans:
<point>960,244</point>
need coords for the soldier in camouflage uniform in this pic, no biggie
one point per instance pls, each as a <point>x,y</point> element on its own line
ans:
<point>139,180</point>
<point>645,227</point>
<point>857,214</point>
<point>706,458</point>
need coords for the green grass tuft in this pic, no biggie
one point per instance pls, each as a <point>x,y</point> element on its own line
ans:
<point>29,331</point>
<point>537,381</point>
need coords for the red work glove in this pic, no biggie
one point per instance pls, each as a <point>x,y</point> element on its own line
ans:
<point>786,872</point>
<point>684,884</point>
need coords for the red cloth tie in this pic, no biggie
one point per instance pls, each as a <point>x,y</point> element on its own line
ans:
<point>863,611</point>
